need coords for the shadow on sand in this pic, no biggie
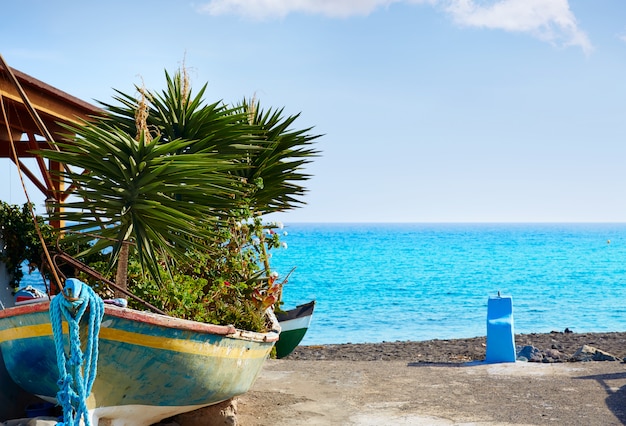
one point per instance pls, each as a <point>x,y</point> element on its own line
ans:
<point>616,399</point>
<point>449,364</point>
<point>614,384</point>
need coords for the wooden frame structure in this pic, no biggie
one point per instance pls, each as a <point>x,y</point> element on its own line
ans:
<point>30,113</point>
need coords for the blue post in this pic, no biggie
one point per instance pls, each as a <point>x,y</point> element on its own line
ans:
<point>500,335</point>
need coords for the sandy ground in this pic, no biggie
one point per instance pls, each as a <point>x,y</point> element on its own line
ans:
<point>441,382</point>
<point>294,392</point>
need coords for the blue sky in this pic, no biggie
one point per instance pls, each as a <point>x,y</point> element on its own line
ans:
<point>431,110</point>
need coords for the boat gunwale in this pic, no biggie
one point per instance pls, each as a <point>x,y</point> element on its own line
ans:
<point>162,321</point>
<point>303,310</point>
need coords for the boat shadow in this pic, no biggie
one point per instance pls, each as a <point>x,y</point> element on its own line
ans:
<point>616,396</point>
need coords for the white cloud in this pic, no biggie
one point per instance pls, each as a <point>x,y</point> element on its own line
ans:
<point>262,9</point>
<point>549,20</point>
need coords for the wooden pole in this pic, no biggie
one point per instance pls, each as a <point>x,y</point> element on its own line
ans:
<point>48,136</point>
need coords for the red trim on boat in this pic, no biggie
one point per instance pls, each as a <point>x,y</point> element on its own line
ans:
<point>152,318</point>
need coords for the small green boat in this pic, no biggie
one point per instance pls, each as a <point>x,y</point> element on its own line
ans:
<point>294,324</point>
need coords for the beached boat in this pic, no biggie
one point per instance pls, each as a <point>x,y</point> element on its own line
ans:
<point>294,324</point>
<point>150,366</point>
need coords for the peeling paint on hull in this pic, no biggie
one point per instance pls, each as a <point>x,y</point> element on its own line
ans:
<point>146,361</point>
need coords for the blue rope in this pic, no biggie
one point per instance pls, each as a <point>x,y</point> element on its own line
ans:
<point>77,370</point>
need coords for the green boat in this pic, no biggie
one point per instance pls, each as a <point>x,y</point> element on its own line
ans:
<point>294,324</point>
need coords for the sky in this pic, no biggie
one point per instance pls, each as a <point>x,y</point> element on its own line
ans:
<point>430,110</point>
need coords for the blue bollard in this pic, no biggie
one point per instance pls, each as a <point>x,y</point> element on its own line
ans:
<point>500,335</point>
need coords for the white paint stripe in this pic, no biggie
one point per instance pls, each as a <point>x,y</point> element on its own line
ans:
<point>295,324</point>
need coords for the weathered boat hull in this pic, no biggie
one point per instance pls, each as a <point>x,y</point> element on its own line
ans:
<point>150,366</point>
<point>294,324</point>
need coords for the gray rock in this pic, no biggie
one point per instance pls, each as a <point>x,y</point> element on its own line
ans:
<point>554,355</point>
<point>589,353</point>
<point>222,414</point>
<point>530,353</point>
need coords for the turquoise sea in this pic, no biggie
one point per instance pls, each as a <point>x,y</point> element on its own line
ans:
<point>388,282</point>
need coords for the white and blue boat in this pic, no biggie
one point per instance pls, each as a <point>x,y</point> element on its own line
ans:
<point>150,366</point>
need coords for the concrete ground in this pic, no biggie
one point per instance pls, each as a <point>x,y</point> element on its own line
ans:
<point>291,392</point>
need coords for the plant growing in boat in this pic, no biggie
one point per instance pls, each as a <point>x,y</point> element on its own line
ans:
<point>228,286</point>
<point>162,182</point>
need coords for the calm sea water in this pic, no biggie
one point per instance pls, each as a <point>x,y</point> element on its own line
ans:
<point>387,282</point>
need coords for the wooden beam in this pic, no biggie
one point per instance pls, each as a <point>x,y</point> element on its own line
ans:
<point>47,100</point>
<point>34,179</point>
<point>33,144</point>
<point>22,148</point>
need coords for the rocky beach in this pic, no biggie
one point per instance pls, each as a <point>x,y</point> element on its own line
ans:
<point>557,346</point>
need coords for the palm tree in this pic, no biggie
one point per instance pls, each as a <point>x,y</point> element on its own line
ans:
<point>165,182</point>
<point>275,170</point>
<point>270,154</point>
<point>138,191</point>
